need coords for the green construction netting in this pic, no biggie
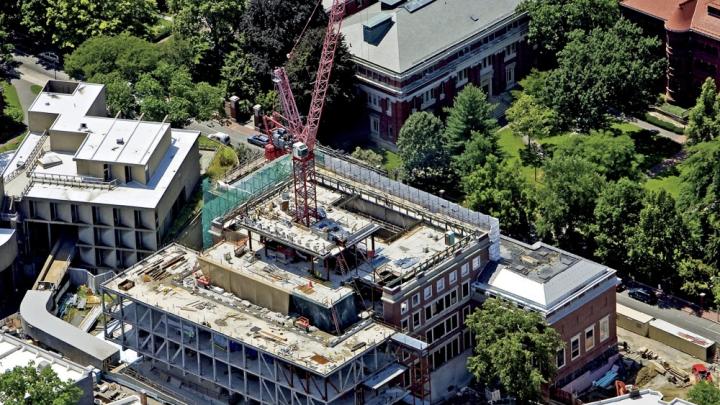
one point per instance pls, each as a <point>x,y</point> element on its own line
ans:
<point>220,199</point>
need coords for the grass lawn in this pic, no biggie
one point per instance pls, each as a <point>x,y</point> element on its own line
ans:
<point>206,143</point>
<point>36,89</point>
<point>391,160</point>
<point>11,96</point>
<point>224,160</point>
<point>511,144</point>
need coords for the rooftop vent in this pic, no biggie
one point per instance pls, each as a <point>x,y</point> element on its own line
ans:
<point>390,4</point>
<point>374,29</point>
<point>120,141</point>
<point>83,126</point>
<point>415,5</point>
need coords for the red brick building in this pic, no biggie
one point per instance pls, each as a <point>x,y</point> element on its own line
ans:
<point>575,295</point>
<point>416,55</point>
<point>690,31</point>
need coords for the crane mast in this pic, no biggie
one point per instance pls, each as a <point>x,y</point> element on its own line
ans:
<point>304,135</point>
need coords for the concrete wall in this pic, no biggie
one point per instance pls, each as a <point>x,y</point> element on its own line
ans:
<point>186,178</point>
<point>8,250</point>
<point>633,325</point>
<point>159,153</point>
<point>40,121</point>
<point>66,141</point>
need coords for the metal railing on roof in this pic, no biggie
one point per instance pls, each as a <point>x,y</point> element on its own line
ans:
<point>31,161</point>
<point>73,180</point>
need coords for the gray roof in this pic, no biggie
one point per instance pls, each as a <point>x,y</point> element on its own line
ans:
<point>417,36</point>
<point>33,311</point>
<point>540,275</point>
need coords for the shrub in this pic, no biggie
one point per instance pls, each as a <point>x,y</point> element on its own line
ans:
<point>664,124</point>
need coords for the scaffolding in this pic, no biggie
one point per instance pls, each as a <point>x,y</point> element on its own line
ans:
<point>220,198</point>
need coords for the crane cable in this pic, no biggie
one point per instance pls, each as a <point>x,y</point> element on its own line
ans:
<point>302,33</point>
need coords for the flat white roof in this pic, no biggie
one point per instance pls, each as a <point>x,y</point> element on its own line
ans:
<point>5,235</point>
<point>634,314</point>
<point>139,139</point>
<point>132,194</point>
<point>22,153</point>
<point>16,353</point>
<point>76,105</point>
<point>647,397</point>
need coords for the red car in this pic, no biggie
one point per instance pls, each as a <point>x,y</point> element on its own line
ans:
<point>701,373</point>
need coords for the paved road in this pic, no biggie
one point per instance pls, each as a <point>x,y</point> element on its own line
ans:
<point>681,139</point>
<point>238,133</point>
<point>701,326</point>
<point>33,71</point>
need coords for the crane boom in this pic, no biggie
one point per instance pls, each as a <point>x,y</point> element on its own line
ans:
<point>322,78</point>
<point>304,135</point>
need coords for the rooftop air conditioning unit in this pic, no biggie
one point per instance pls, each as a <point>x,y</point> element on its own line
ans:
<point>120,141</point>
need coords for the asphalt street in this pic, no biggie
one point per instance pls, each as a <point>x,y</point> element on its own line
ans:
<point>702,327</point>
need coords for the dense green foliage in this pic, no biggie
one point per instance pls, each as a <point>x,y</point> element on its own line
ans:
<point>551,21</point>
<point>704,119</point>
<point>424,156</point>
<point>523,360</point>
<point>23,385</point>
<point>704,393</point>
<point>68,23</point>
<point>601,72</point>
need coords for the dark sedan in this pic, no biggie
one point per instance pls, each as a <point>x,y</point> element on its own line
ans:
<point>644,295</point>
<point>259,140</point>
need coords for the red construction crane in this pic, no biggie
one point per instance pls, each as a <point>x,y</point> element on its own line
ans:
<point>302,136</point>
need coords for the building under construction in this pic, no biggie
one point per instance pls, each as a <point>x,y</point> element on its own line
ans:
<point>367,304</point>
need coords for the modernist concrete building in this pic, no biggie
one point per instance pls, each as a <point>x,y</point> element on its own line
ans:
<point>690,31</point>
<point>416,55</point>
<point>575,295</point>
<point>111,185</point>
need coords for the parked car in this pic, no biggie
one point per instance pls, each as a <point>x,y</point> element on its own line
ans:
<point>259,140</point>
<point>220,137</point>
<point>644,295</point>
<point>49,57</point>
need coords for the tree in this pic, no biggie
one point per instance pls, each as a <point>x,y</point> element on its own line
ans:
<point>478,149</point>
<point>704,393</point>
<point>120,98</point>
<point>67,23</point>
<point>212,27</point>
<point>239,78</point>
<point>470,116</point>
<point>514,348</point>
<point>696,276</point>
<point>552,20</point>
<point>368,156</point>
<point>424,157</point>
<point>530,119</point>
<point>567,202</point>
<point>613,156</point>
<point>617,211</point>
<point>655,247</point>
<point>23,385</point>
<point>603,72</point>
<point>207,99</point>
<point>124,54</point>
<point>704,119</point>
<point>500,190</point>
<point>6,46</point>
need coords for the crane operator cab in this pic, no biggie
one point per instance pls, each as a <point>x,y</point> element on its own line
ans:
<point>300,151</point>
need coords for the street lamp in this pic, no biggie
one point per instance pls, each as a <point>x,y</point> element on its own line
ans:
<point>702,299</point>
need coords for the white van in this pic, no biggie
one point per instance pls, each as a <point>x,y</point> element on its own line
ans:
<point>220,137</point>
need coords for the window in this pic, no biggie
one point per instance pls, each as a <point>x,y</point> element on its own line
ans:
<point>510,75</point>
<point>404,307</point>
<point>53,211</point>
<point>98,236</point>
<point>416,320</point>
<point>589,338</point>
<point>138,219</point>
<point>106,172</point>
<point>404,325</point>
<point>604,328</point>
<point>128,174</point>
<point>33,209</point>
<point>560,358</point>
<point>74,214</point>
<point>441,284</point>
<point>465,269</point>
<point>465,289</point>
<point>511,50</point>
<point>462,77</point>
<point>453,276</point>
<point>428,292</point>
<point>374,125</point>
<point>476,261</point>
<point>416,300</point>
<point>428,98</point>
<point>373,101</point>
<point>96,214</point>
<point>466,312</point>
<point>575,347</point>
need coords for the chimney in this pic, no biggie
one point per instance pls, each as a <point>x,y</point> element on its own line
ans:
<point>143,397</point>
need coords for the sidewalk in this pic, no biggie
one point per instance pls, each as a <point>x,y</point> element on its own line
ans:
<point>682,304</point>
